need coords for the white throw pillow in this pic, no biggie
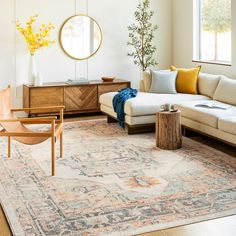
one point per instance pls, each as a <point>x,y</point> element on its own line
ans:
<point>146,80</point>
<point>207,84</point>
<point>226,91</point>
<point>163,82</point>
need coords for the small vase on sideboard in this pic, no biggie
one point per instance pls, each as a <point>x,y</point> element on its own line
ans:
<point>32,70</point>
<point>39,79</point>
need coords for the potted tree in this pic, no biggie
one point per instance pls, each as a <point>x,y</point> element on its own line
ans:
<point>141,35</point>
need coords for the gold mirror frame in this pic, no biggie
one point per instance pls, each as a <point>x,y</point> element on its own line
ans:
<point>60,38</point>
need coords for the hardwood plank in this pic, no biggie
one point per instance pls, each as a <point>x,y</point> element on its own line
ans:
<point>4,226</point>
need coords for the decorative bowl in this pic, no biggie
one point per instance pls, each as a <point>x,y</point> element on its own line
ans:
<point>108,79</point>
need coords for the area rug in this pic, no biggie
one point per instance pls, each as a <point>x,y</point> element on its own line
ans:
<point>109,183</point>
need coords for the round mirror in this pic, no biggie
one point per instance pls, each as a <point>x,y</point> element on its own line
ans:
<point>80,37</point>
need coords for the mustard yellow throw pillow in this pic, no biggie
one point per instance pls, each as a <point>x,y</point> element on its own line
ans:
<point>187,80</point>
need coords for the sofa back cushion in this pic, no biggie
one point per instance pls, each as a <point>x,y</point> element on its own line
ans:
<point>226,91</point>
<point>163,82</point>
<point>207,84</point>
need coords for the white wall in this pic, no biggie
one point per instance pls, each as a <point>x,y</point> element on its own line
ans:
<point>182,41</point>
<point>7,43</point>
<point>112,15</point>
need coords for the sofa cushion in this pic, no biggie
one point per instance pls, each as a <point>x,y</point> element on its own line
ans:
<point>207,84</point>
<point>187,80</point>
<point>226,91</point>
<point>204,115</point>
<point>228,124</point>
<point>163,82</point>
<point>149,103</point>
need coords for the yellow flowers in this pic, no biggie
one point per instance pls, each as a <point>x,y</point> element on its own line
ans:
<point>35,40</point>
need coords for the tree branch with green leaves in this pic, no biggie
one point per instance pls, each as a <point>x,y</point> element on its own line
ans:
<point>141,36</point>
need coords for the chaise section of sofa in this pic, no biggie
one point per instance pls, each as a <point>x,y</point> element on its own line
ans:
<point>142,109</point>
<point>146,104</point>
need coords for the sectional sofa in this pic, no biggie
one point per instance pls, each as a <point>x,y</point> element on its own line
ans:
<point>140,112</point>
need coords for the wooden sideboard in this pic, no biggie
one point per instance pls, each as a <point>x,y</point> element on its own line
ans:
<point>77,99</point>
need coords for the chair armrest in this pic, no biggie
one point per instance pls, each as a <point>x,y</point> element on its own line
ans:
<point>38,108</point>
<point>41,119</point>
<point>45,109</point>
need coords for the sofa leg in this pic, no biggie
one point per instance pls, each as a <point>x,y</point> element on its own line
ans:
<point>183,131</point>
<point>111,120</point>
<point>187,132</point>
<point>130,130</point>
<point>139,129</point>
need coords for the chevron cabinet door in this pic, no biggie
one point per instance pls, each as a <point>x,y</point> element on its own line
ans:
<point>81,98</point>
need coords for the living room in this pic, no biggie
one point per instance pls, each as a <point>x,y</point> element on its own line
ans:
<point>117,117</point>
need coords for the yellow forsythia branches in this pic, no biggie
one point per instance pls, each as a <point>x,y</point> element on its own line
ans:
<point>35,40</point>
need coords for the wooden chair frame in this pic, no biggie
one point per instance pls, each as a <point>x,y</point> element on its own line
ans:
<point>53,133</point>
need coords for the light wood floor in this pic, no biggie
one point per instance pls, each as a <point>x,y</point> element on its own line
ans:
<point>4,227</point>
<point>219,227</point>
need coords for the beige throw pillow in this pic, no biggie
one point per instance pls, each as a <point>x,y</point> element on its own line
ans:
<point>207,84</point>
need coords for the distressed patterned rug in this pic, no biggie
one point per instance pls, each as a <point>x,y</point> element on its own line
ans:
<point>109,183</point>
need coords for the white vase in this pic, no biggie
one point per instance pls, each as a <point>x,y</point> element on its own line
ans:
<point>38,80</point>
<point>32,70</point>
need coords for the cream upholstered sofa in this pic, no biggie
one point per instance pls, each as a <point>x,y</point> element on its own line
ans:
<point>140,112</point>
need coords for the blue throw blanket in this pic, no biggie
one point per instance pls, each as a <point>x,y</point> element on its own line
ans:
<point>119,103</point>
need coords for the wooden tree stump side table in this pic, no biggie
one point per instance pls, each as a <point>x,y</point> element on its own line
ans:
<point>168,130</point>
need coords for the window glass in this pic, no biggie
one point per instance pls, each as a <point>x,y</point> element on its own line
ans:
<point>212,30</point>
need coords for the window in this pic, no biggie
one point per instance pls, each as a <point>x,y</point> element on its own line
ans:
<point>212,31</point>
